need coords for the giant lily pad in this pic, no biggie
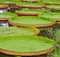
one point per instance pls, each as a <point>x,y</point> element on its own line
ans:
<point>10,1</point>
<point>51,2</point>
<point>3,6</point>
<point>7,15</point>
<point>57,7</point>
<point>30,0</point>
<point>26,45</point>
<point>47,1</point>
<point>51,15</point>
<point>32,21</point>
<point>26,12</point>
<point>31,5</point>
<point>30,11</point>
<point>18,30</point>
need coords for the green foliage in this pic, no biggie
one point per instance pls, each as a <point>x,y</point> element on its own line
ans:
<point>57,34</point>
<point>56,53</point>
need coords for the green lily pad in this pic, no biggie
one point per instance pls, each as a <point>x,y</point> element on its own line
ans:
<point>2,0</point>
<point>53,6</point>
<point>2,5</point>
<point>18,31</point>
<point>7,15</point>
<point>10,1</point>
<point>25,43</point>
<point>30,11</point>
<point>30,0</point>
<point>31,20</point>
<point>49,0</point>
<point>29,4</point>
<point>51,15</point>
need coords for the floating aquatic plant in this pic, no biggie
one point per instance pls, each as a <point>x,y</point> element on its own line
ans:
<point>25,43</point>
